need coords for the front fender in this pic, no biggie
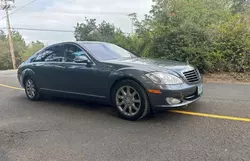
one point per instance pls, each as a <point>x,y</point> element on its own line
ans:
<point>26,73</point>
<point>131,73</point>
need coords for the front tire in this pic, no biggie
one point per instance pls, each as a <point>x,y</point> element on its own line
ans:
<point>130,100</point>
<point>31,89</point>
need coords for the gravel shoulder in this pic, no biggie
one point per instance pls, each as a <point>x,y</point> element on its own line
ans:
<point>227,78</point>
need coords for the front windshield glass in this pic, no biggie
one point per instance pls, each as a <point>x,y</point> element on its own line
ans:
<point>105,51</point>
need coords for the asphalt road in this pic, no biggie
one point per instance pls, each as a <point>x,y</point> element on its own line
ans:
<point>69,130</point>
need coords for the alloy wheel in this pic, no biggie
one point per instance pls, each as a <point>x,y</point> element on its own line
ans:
<point>30,88</point>
<point>128,100</point>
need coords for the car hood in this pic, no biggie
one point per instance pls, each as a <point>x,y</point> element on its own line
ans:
<point>153,64</point>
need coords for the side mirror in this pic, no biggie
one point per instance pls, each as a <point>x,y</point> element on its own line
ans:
<point>82,59</point>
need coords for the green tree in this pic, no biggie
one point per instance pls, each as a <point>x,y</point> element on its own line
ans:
<point>31,49</point>
<point>19,46</point>
<point>191,31</point>
<point>210,34</point>
<point>91,31</point>
<point>22,52</point>
<point>5,59</point>
<point>231,45</point>
<point>239,5</point>
<point>106,32</point>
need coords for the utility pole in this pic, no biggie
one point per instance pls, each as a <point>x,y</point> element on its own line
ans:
<point>132,17</point>
<point>5,7</point>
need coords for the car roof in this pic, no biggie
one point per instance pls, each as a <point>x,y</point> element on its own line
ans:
<point>90,42</point>
<point>79,42</point>
<point>82,42</point>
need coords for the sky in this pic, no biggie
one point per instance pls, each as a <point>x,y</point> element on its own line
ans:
<point>64,14</point>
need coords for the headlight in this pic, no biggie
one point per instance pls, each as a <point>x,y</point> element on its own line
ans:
<point>164,78</point>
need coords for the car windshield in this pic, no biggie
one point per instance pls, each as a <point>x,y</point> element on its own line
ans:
<point>105,51</point>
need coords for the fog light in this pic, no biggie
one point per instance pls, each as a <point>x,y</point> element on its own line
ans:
<point>172,101</point>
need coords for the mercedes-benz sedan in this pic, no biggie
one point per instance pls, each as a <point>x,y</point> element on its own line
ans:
<point>106,72</point>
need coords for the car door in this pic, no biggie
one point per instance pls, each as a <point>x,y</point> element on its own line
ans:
<point>48,68</point>
<point>81,78</point>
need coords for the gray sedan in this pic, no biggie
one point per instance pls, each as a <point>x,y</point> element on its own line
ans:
<point>105,72</point>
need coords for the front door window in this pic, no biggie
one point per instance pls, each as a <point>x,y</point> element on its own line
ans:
<point>72,52</point>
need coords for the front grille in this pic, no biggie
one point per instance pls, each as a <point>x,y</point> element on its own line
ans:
<point>192,76</point>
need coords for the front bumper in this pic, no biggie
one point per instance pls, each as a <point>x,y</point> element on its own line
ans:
<point>185,93</point>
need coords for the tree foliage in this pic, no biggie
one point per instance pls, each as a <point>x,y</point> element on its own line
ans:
<point>89,30</point>
<point>21,50</point>
<point>32,48</point>
<point>5,59</point>
<point>210,34</point>
<point>213,35</point>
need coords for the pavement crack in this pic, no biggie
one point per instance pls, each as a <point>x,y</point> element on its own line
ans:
<point>33,131</point>
<point>25,132</point>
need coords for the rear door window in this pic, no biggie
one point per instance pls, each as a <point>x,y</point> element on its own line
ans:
<point>51,54</point>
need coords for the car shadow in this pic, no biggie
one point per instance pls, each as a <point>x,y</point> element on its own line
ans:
<point>61,104</point>
<point>80,104</point>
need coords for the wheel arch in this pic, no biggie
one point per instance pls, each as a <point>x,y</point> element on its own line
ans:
<point>125,78</point>
<point>27,73</point>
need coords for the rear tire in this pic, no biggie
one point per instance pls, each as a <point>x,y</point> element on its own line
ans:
<point>130,100</point>
<point>31,90</point>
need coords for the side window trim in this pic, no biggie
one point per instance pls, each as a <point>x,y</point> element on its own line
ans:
<point>63,46</point>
